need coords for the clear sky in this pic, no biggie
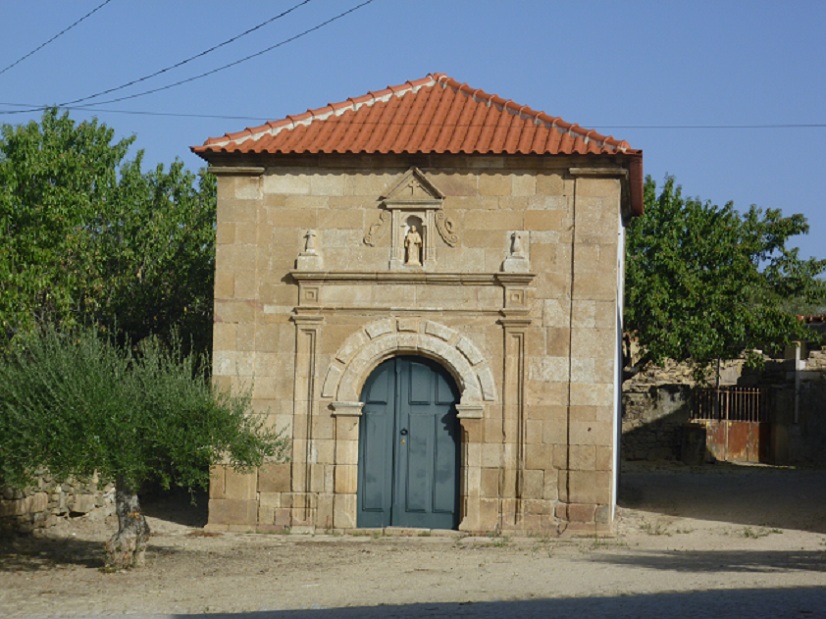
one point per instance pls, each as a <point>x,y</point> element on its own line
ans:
<point>729,96</point>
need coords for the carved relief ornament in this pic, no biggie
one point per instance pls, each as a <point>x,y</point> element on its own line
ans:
<point>413,210</point>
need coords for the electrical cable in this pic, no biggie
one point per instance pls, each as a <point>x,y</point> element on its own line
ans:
<point>187,60</point>
<point>141,112</point>
<point>64,31</point>
<point>31,108</point>
<point>236,62</point>
<point>91,106</point>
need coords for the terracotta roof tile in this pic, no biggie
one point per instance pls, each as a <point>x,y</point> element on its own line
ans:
<point>432,115</point>
<point>435,114</point>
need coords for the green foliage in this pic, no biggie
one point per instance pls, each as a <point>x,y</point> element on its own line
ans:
<point>53,177</point>
<point>158,245</point>
<point>78,404</point>
<point>705,282</point>
<point>87,237</point>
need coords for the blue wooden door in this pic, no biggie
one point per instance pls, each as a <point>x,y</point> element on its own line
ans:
<point>409,447</point>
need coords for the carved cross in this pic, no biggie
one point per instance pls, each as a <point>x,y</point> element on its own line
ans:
<point>309,245</point>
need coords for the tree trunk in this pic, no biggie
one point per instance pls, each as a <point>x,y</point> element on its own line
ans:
<point>127,547</point>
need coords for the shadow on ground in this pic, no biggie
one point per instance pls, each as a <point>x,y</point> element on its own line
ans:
<point>801,602</point>
<point>762,561</point>
<point>761,496</point>
<point>28,553</point>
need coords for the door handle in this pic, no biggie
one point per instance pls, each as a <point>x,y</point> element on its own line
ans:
<point>403,432</point>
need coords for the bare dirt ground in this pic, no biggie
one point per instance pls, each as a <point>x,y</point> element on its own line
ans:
<point>718,540</point>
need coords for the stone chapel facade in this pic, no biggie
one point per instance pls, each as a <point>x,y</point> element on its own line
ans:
<point>422,287</point>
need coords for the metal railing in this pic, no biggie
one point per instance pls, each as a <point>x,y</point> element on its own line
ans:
<point>731,404</point>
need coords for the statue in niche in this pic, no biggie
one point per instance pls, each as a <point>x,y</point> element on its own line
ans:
<point>413,247</point>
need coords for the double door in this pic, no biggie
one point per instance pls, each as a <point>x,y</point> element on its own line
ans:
<point>409,447</point>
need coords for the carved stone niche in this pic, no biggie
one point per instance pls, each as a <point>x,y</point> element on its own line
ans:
<point>414,208</point>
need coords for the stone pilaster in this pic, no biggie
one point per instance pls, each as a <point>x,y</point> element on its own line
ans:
<point>306,340</point>
<point>470,482</point>
<point>345,470</point>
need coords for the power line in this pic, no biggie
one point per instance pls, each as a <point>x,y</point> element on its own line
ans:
<point>237,62</point>
<point>263,119</point>
<point>90,106</point>
<point>190,59</point>
<point>132,112</point>
<point>64,31</point>
<point>755,126</point>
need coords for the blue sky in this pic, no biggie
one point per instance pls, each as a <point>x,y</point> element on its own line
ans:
<point>729,96</point>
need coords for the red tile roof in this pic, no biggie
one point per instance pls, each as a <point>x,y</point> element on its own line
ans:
<point>433,115</point>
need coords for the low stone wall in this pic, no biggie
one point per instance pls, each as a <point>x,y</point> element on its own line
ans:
<point>41,506</point>
<point>657,407</point>
<point>653,421</point>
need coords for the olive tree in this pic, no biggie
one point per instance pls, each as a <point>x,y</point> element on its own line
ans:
<point>77,404</point>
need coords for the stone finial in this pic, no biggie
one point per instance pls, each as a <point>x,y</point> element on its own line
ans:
<point>309,244</point>
<point>309,259</point>
<point>516,245</point>
<point>516,260</point>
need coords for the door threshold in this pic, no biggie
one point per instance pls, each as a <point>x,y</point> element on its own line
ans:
<point>417,532</point>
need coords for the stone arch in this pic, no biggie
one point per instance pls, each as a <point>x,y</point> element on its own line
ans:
<point>365,349</point>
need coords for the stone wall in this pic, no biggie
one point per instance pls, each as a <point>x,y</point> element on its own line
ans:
<point>312,292</point>
<point>657,405</point>
<point>800,412</point>
<point>41,506</point>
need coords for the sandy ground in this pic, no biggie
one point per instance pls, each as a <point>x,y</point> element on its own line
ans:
<point>719,541</point>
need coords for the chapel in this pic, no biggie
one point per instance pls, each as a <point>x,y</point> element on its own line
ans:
<point>422,288</point>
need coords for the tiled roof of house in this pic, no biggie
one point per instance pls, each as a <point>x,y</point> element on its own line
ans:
<point>432,115</point>
<point>435,114</point>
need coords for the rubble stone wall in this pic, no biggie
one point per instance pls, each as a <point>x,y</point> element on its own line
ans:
<point>49,500</point>
<point>657,405</point>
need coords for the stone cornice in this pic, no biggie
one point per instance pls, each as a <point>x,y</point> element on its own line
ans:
<point>414,277</point>
<point>236,170</point>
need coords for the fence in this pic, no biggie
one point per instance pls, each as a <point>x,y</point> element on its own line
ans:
<point>731,404</point>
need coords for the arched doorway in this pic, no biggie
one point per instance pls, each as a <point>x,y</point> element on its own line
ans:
<point>409,446</point>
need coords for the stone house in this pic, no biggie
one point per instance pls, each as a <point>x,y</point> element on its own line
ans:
<point>422,286</point>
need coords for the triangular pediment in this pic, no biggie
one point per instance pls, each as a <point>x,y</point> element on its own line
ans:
<point>413,188</point>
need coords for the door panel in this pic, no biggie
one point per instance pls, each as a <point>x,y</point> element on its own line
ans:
<point>408,447</point>
<point>377,423</point>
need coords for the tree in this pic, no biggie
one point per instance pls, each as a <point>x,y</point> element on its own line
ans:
<point>706,283</point>
<point>87,237</point>
<point>54,177</point>
<point>157,244</point>
<point>78,404</point>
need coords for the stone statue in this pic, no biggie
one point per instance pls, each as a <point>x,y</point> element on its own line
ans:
<point>413,247</point>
